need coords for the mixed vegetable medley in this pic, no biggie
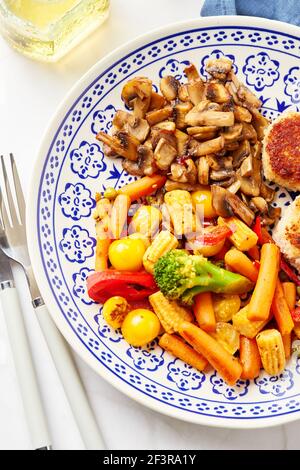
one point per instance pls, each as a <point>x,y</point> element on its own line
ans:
<point>183,253</point>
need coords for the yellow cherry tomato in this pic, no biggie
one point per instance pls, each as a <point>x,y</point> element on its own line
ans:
<point>146,220</point>
<point>203,198</point>
<point>140,236</point>
<point>127,254</point>
<point>115,310</point>
<point>141,326</point>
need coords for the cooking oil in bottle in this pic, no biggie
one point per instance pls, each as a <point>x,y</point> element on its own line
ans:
<point>48,29</point>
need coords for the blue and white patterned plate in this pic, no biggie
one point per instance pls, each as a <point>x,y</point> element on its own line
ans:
<point>71,168</point>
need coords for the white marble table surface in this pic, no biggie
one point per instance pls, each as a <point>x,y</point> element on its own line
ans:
<point>29,94</point>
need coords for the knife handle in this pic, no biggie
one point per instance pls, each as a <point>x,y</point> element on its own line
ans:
<point>70,380</point>
<point>26,374</point>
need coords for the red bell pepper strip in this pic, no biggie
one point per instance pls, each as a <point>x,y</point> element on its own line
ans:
<point>256,264</point>
<point>131,285</point>
<point>261,232</point>
<point>257,229</point>
<point>296,314</point>
<point>215,236</point>
<point>289,271</point>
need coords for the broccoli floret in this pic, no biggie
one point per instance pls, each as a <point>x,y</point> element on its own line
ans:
<point>180,276</point>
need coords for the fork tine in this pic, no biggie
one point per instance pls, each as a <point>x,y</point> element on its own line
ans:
<point>18,190</point>
<point>4,217</point>
<point>11,205</point>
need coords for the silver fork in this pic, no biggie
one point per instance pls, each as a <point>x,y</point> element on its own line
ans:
<point>13,242</point>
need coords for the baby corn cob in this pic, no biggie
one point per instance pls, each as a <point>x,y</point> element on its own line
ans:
<point>170,313</point>
<point>176,346</point>
<point>271,351</point>
<point>243,238</point>
<point>101,261</point>
<point>119,214</point>
<point>246,327</point>
<point>163,242</point>
<point>179,205</point>
<point>103,208</point>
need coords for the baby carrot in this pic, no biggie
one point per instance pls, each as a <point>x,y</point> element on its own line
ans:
<point>249,358</point>
<point>183,351</point>
<point>287,345</point>
<point>119,214</point>
<point>261,299</point>
<point>225,364</point>
<point>143,186</point>
<point>204,311</point>
<point>289,290</point>
<point>281,311</point>
<point>237,260</point>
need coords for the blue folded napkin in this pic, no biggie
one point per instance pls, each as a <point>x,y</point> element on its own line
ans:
<point>283,10</point>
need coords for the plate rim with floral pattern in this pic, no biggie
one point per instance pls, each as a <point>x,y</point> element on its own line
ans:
<point>192,34</point>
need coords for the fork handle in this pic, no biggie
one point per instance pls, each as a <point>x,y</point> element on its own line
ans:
<point>26,375</point>
<point>71,381</point>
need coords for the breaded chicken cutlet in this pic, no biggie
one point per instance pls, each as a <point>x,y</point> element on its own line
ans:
<point>281,151</point>
<point>287,233</point>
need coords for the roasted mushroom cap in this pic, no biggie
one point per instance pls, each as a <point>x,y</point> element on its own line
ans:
<point>135,126</point>
<point>158,115</point>
<point>239,208</point>
<point>209,118</point>
<point>191,72</point>
<point>217,92</point>
<point>248,98</point>
<point>183,93</point>
<point>138,128</point>
<point>181,110</point>
<point>146,160</point>
<point>145,165</point>
<point>226,204</point>
<point>136,94</point>
<point>184,172</point>
<point>220,201</point>
<point>232,133</point>
<point>164,154</point>
<point>122,144</point>
<point>266,192</point>
<point>158,133</point>
<point>157,101</point>
<point>241,153</point>
<point>203,170</point>
<point>246,168</point>
<point>132,168</point>
<point>218,68</point>
<point>260,123</point>
<point>198,149</point>
<point>182,140</point>
<point>220,175</point>
<point>258,203</point>
<point>242,114</point>
<point>169,86</point>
